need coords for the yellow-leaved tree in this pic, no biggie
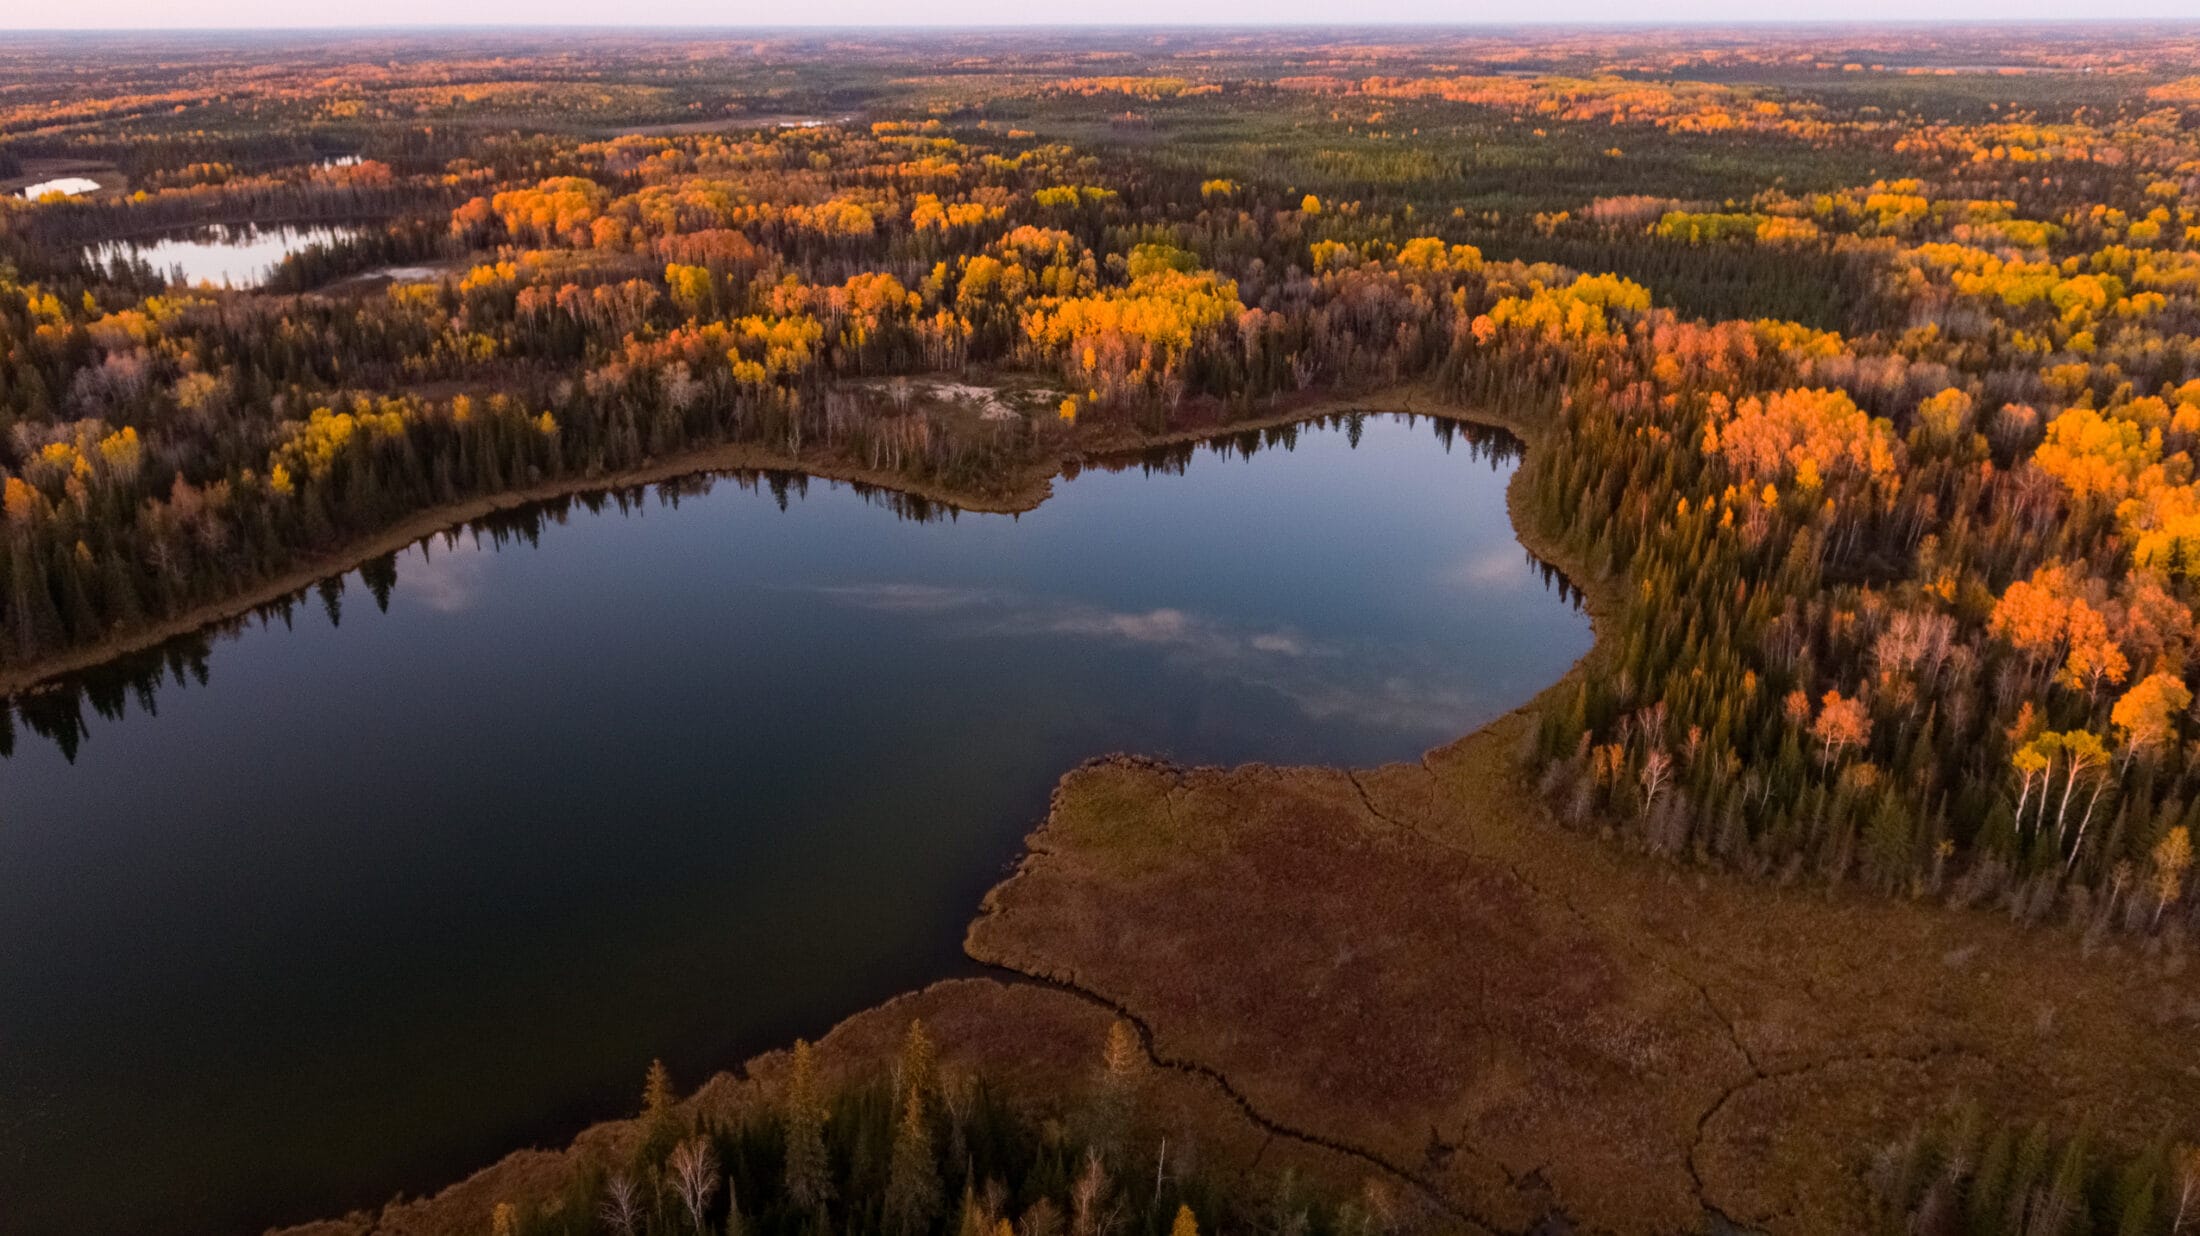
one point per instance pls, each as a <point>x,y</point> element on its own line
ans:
<point>2147,714</point>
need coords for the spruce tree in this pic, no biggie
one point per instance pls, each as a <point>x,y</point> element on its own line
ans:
<point>660,1124</point>
<point>809,1172</point>
<point>913,1177</point>
<point>913,1072</point>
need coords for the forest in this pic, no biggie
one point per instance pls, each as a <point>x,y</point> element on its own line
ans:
<point>1858,372</point>
<point>917,1146</point>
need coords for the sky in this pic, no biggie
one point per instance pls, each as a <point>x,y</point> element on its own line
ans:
<point>157,14</point>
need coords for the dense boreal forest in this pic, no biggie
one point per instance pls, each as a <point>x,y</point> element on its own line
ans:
<point>1859,373</point>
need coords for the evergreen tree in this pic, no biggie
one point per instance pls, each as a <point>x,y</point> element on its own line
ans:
<point>914,1070</point>
<point>660,1120</point>
<point>913,1177</point>
<point>809,1181</point>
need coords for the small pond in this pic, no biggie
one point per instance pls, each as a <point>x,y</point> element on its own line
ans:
<point>237,257</point>
<point>66,186</point>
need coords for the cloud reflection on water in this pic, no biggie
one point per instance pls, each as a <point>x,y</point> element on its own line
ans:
<point>446,577</point>
<point>1368,683</point>
<point>1496,569</point>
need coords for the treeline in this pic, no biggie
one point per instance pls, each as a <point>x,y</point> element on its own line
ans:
<point>1967,1175</point>
<point>60,227</point>
<point>60,712</point>
<point>920,1149</point>
<point>368,249</point>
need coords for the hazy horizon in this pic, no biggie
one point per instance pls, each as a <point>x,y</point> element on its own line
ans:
<point>279,15</point>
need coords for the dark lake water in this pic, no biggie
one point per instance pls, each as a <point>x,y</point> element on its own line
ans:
<point>322,911</point>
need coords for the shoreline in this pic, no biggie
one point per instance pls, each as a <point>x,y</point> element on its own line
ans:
<point>1023,490</point>
<point>451,1208</point>
<point>1679,961</point>
<point>522,1171</point>
<point>724,457</point>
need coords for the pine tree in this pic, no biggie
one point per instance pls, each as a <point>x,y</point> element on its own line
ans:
<point>972,1219</point>
<point>913,1178</point>
<point>1989,1187</point>
<point>2137,1199</point>
<point>737,1224</point>
<point>2025,1175</point>
<point>1888,851</point>
<point>913,1073</point>
<point>660,1123</point>
<point>2061,1205</point>
<point>809,1172</point>
<point>657,1098</point>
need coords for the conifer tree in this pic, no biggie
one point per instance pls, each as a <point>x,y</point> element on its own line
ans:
<point>660,1122</point>
<point>809,1172</point>
<point>913,1177</point>
<point>914,1070</point>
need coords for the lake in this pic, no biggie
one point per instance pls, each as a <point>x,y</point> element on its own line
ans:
<point>66,186</point>
<point>239,257</point>
<point>322,910</point>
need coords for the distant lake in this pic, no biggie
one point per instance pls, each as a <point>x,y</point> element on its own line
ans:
<point>239,257</point>
<point>66,186</point>
<point>357,898</point>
